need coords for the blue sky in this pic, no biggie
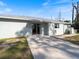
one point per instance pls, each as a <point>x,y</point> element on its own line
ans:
<point>37,8</point>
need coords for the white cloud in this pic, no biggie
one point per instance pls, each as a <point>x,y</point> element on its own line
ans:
<point>2,3</point>
<point>45,3</point>
<point>8,9</point>
<point>53,3</point>
<point>62,1</point>
<point>4,8</point>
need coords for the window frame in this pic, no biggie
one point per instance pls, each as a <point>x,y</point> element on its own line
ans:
<point>56,25</point>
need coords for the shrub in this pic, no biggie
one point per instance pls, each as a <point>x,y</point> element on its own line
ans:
<point>67,31</point>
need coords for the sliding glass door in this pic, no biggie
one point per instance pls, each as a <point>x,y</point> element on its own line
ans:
<point>36,29</point>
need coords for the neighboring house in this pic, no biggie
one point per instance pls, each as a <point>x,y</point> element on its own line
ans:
<point>12,26</point>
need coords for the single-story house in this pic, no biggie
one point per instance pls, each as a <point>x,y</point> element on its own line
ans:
<point>12,26</point>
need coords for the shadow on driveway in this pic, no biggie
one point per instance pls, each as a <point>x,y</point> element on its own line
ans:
<point>53,48</point>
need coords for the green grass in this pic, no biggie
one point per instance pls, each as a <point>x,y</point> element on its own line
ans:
<point>73,39</point>
<point>17,49</point>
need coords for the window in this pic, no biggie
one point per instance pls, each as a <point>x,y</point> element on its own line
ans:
<point>56,25</point>
<point>68,26</point>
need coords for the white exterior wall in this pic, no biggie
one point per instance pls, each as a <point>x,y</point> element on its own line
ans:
<point>60,30</point>
<point>65,27</point>
<point>51,29</point>
<point>44,29</point>
<point>55,31</point>
<point>73,30</point>
<point>13,29</point>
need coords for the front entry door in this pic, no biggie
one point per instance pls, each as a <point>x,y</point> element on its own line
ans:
<point>36,29</point>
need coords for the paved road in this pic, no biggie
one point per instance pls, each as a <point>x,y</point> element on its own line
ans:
<point>52,48</point>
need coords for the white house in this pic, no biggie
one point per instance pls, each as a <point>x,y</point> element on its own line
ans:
<point>12,26</point>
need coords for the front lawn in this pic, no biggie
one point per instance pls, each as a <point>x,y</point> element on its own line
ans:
<point>15,48</point>
<point>73,39</point>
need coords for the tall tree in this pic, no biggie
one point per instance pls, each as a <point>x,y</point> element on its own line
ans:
<point>76,21</point>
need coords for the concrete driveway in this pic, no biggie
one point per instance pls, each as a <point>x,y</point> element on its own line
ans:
<point>43,47</point>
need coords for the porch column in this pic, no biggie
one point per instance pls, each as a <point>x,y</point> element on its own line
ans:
<point>51,29</point>
<point>42,30</point>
